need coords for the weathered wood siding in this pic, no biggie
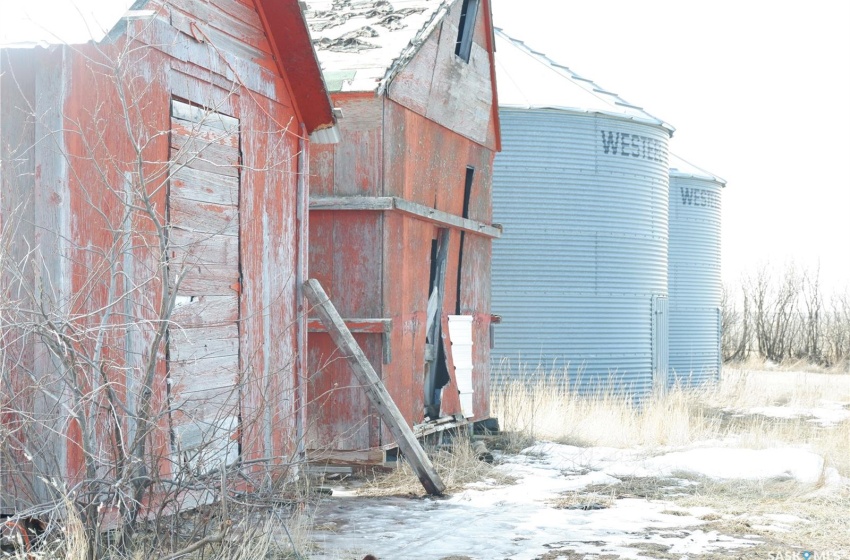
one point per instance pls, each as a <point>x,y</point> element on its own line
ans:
<point>441,86</point>
<point>427,164</point>
<point>211,55</point>
<point>345,256</point>
<point>17,221</point>
<point>377,264</point>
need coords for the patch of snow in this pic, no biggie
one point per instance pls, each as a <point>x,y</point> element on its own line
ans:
<point>728,463</point>
<point>828,414</point>
<point>713,462</point>
<point>521,522</point>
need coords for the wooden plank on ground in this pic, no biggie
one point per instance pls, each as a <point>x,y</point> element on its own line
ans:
<point>375,390</point>
<point>363,458</point>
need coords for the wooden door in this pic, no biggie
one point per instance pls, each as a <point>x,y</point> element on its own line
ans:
<point>204,273</point>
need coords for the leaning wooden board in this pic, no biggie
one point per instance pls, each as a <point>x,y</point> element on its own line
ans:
<point>374,387</point>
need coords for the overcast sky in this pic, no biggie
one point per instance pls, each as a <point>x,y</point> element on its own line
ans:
<point>759,93</point>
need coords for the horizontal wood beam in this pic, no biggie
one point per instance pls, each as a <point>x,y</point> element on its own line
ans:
<point>374,326</point>
<point>383,327</point>
<point>413,209</point>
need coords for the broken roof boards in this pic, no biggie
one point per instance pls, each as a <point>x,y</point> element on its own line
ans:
<point>581,186</point>
<point>400,220</point>
<point>219,94</point>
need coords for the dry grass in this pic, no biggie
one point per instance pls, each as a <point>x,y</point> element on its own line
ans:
<point>547,411</point>
<point>583,500</point>
<point>267,534</point>
<point>457,466</point>
<point>741,507</point>
<point>722,413</point>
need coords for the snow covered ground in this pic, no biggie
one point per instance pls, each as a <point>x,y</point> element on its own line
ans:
<point>565,504</point>
<point>521,521</point>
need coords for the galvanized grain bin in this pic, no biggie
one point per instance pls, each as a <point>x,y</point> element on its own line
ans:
<point>694,274</point>
<point>581,188</point>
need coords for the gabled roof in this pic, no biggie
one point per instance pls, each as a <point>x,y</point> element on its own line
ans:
<point>681,168</point>
<point>74,22</point>
<point>530,80</point>
<point>362,43</point>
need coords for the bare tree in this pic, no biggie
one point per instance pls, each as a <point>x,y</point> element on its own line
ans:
<point>775,309</point>
<point>811,318</point>
<point>735,336</point>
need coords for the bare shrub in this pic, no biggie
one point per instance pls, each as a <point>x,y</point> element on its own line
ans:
<point>88,406</point>
<point>783,316</point>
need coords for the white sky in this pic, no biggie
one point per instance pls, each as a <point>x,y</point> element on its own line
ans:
<point>52,21</point>
<point>759,93</point>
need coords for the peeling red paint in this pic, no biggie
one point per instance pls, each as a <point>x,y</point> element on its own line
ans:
<point>80,198</point>
<point>377,264</point>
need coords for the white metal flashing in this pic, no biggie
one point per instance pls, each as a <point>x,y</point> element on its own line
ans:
<point>682,168</point>
<point>328,135</point>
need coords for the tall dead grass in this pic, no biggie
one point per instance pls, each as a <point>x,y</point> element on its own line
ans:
<point>253,536</point>
<point>545,410</point>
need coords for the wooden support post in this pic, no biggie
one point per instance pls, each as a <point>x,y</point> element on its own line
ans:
<point>375,390</point>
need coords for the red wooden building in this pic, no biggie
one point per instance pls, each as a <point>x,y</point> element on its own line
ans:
<point>400,211</point>
<point>154,199</point>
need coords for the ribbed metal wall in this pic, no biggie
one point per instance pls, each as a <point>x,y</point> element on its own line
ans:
<point>584,253</point>
<point>694,278</point>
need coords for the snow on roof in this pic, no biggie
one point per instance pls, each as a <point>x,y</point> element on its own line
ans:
<point>48,22</point>
<point>527,79</point>
<point>681,168</point>
<point>361,43</point>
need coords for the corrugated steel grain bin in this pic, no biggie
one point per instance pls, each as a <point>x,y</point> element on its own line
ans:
<point>581,188</point>
<point>694,274</point>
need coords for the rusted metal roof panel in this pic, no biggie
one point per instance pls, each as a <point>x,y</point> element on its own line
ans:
<point>369,39</point>
<point>530,80</point>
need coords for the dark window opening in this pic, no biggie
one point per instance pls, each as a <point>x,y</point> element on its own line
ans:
<point>467,192</point>
<point>433,275</point>
<point>468,13</point>
<point>436,371</point>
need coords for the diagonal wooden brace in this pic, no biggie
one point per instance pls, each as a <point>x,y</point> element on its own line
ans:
<point>375,390</point>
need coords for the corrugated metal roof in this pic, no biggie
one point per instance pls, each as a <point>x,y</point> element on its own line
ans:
<point>682,168</point>
<point>360,43</point>
<point>48,22</point>
<point>528,79</point>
